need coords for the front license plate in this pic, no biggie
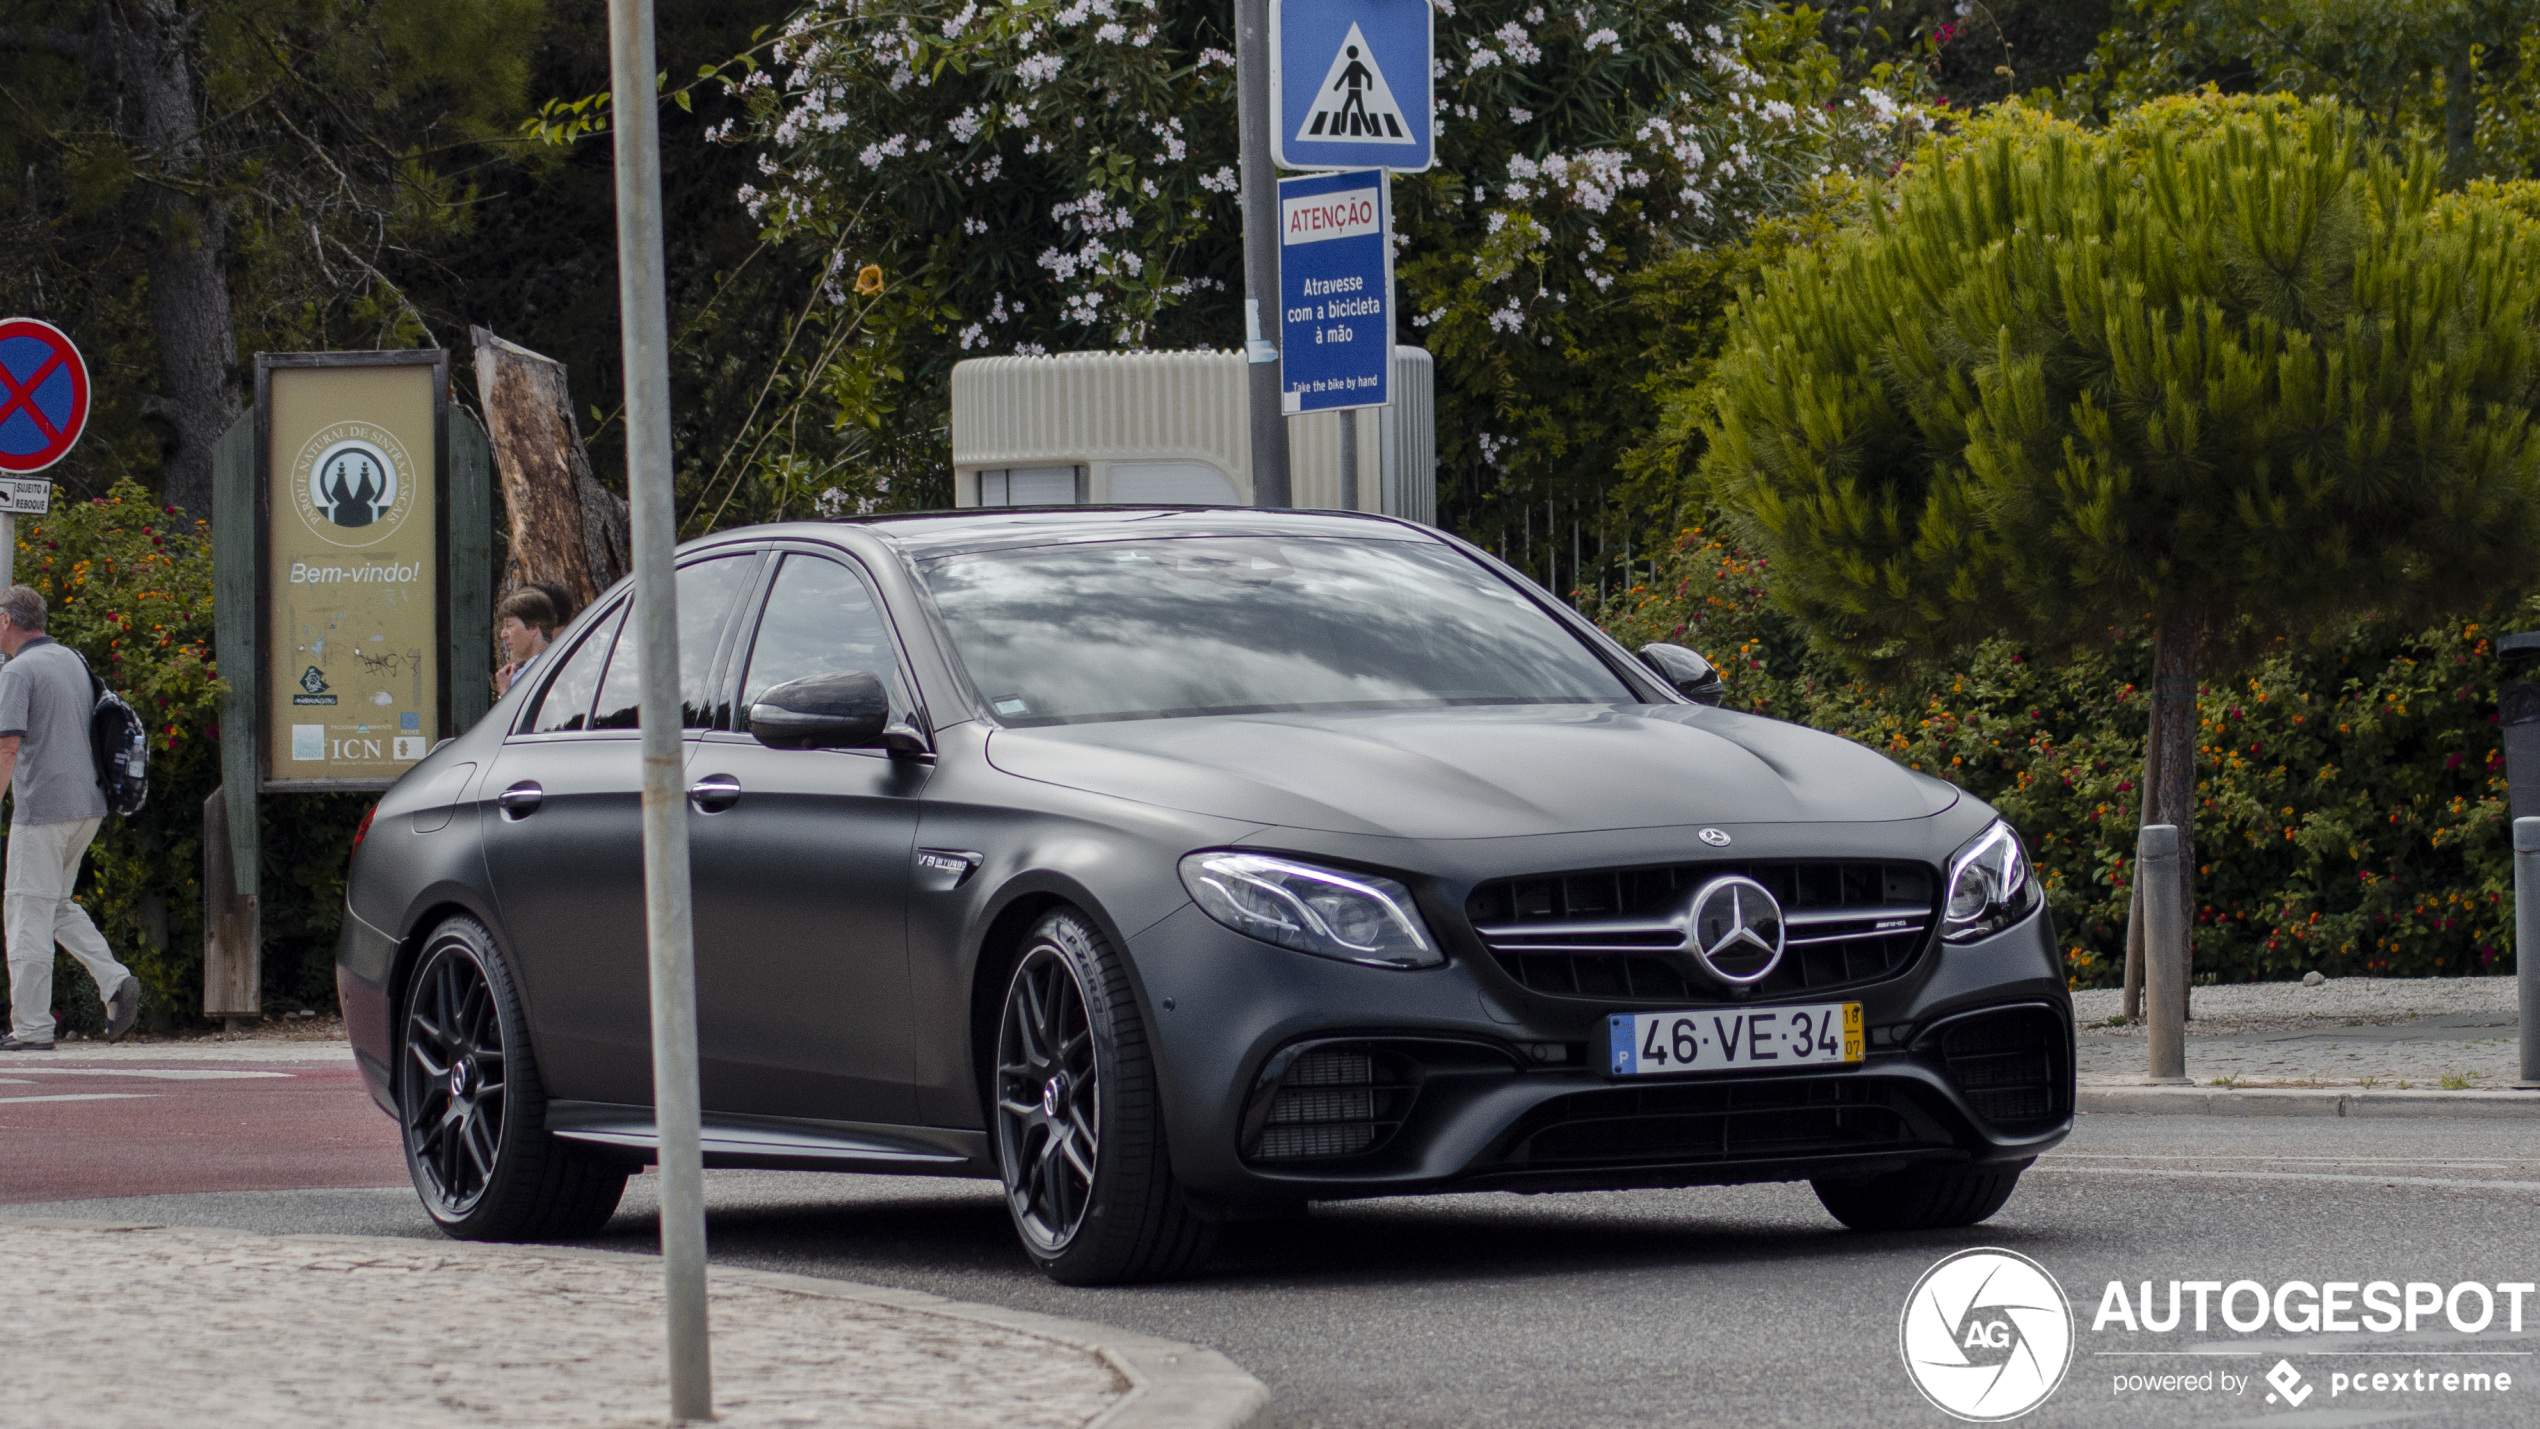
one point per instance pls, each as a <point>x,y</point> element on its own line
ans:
<point>1735,1039</point>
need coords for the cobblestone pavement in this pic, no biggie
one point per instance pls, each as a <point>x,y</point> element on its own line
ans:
<point>125,1328</point>
<point>2373,1032</point>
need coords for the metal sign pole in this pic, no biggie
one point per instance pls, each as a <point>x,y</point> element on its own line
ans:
<point>2164,951</point>
<point>2526,942</point>
<point>668,935</point>
<point>1261,254</point>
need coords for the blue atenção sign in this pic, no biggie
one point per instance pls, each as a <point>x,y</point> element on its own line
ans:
<point>1335,292</point>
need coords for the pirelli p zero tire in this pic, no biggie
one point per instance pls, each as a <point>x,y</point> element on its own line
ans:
<point>1079,1131</point>
<point>473,1112</point>
<point>1922,1198</point>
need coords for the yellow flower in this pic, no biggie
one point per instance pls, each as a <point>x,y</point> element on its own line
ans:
<point>868,279</point>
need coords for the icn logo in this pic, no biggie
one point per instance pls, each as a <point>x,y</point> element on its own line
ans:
<point>1987,1335</point>
<point>2288,1382</point>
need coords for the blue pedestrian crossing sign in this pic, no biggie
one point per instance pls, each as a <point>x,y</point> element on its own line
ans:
<point>1350,84</point>
<point>1335,292</point>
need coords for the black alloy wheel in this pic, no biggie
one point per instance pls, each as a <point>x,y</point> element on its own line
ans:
<point>473,1111</point>
<point>1049,1116</point>
<point>453,1097</point>
<point>1079,1130</point>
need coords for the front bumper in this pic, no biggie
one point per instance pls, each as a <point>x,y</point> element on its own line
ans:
<point>1459,1078</point>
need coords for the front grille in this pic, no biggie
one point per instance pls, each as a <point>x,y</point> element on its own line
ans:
<point>2010,1066</point>
<point>1336,1099</point>
<point>1619,934</point>
<point>1674,1124</point>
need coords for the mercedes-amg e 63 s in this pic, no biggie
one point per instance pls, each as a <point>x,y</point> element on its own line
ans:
<point>1182,866</point>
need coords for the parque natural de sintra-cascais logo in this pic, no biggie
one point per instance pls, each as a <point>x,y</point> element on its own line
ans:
<point>1986,1335</point>
<point>350,484</point>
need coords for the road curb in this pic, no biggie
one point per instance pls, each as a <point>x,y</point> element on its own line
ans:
<point>2305,1101</point>
<point>1171,1385</point>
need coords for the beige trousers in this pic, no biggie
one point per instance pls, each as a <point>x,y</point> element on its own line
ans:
<point>38,912</point>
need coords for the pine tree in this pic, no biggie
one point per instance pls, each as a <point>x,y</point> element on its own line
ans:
<point>2223,367</point>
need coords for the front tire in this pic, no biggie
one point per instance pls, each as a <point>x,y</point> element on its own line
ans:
<point>1079,1125</point>
<point>474,1112</point>
<point>1920,1198</point>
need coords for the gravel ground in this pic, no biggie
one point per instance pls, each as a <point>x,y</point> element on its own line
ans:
<point>2271,1006</point>
<point>2362,1031</point>
<point>111,1329</point>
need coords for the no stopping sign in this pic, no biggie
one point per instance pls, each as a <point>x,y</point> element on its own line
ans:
<point>43,395</point>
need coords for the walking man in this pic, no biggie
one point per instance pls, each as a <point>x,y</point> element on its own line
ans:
<point>45,704</point>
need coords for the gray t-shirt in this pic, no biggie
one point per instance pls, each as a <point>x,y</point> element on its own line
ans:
<point>45,696</point>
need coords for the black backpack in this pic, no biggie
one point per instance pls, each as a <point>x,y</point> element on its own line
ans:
<point>120,746</point>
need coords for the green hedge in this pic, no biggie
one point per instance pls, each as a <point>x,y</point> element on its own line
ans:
<point>2351,794</point>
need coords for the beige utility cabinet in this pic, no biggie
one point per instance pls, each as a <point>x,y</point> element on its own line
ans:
<point>1169,428</point>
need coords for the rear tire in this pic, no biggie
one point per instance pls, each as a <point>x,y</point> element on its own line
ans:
<point>474,1112</point>
<point>1922,1198</point>
<point>1079,1125</point>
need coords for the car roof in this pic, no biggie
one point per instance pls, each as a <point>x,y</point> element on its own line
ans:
<point>934,533</point>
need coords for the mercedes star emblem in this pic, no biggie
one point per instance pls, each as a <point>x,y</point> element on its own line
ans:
<point>1736,931</point>
<point>1716,838</point>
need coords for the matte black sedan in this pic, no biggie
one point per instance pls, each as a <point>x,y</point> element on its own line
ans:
<point>1180,866</point>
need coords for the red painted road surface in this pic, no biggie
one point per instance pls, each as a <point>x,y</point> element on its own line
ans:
<point>69,1132</point>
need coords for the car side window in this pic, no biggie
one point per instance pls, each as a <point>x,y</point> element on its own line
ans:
<point>820,620</point>
<point>566,703</point>
<point>707,592</point>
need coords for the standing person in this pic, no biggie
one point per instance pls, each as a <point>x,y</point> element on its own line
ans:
<point>525,622</point>
<point>559,598</point>
<point>45,704</point>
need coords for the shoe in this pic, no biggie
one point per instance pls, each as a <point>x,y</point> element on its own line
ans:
<point>123,1007</point>
<point>15,1044</point>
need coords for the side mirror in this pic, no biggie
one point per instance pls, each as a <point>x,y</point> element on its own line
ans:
<point>843,711</point>
<point>1692,675</point>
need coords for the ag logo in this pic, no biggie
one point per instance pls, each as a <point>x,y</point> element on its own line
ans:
<point>1986,1335</point>
<point>351,484</point>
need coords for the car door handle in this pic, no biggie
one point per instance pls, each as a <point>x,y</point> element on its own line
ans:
<point>521,800</point>
<point>715,793</point>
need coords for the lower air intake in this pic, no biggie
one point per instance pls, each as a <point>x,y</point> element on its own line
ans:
<point>1338,1099</point>
<point>2010,1067</point>
<point>1691,1123</point>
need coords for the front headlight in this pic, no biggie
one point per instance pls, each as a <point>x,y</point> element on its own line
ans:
<point>1990,886</point>
<point>1356,917</point>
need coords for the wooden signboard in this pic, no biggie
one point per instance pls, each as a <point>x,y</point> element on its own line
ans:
<point>352,627</point>
<point>352,503</point>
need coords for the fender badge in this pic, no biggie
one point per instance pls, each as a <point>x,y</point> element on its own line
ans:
<point>1716,838</point>
<point>941,870</point>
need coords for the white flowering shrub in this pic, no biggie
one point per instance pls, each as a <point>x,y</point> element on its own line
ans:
<point>1051,175</point>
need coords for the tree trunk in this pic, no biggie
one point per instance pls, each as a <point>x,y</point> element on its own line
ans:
<point>2460,118</point>
<point>190,318</point>
<point>2171,754</point>
<point>565,526</point>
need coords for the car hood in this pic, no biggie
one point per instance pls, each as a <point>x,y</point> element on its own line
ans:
<point>1488,772</point>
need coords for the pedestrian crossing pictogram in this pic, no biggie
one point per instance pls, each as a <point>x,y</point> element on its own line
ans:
<point>1355,103</point>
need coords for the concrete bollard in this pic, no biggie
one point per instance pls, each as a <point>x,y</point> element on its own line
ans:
<point>2164,951</point>
<point>2527,942</point>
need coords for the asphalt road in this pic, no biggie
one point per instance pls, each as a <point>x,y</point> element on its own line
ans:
<point>1743,1306</point>
<point>74,1126</point>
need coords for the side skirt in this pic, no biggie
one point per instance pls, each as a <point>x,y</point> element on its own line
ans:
<point>781,1143</point>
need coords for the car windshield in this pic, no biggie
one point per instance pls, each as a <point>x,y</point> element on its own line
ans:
<point>1212,625</point>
